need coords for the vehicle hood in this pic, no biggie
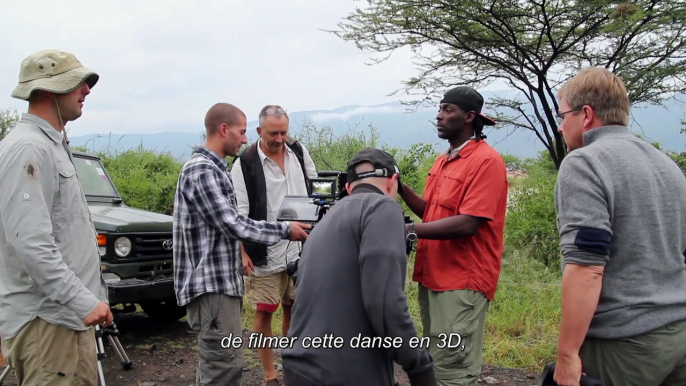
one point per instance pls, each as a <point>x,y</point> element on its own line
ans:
<point>122,218</point>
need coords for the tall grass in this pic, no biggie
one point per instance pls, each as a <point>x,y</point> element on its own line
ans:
<point>522,321</point>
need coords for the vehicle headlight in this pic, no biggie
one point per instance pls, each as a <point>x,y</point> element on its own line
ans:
<point>122,246</point>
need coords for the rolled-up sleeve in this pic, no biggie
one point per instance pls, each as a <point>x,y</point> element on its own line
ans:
<point>208,198</point>
<point>583,218</point>
<point>28,185</point>
<point>239,187</point>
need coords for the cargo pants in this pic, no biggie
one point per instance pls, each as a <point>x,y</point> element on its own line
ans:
<point>214,317</point>
<point>455,323</point>
<point>657,358</point>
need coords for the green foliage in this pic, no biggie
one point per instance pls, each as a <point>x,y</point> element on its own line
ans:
<point>680,159</point>
<point>331,152</point>
<point>530,224</point>
<point>145,179</point>
<point>543,166</point>
<point>532,46</point>
<point>414,164</point>
<point>513,162</point>
<point>7,120</point>
<point>523,321</point>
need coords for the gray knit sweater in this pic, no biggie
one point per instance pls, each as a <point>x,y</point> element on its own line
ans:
<point>621,203</point>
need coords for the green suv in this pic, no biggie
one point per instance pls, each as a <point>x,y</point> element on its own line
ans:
<point>135,246</point>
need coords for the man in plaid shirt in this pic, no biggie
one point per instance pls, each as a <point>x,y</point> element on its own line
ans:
<point>207,257</point>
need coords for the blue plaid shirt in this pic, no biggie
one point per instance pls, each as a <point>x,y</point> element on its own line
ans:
<point>208,227</point>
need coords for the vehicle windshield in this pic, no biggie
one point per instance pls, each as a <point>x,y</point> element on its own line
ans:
<point>93,178</point>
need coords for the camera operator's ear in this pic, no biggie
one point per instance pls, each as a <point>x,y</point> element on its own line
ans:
<point>347,187</point>
<point>392,185</point>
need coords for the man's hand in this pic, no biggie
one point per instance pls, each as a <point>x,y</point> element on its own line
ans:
<point>416,203</point>
<point>248,267</point>
<point>568,370</point>
<point>298,231</point>
<point>101,315</point>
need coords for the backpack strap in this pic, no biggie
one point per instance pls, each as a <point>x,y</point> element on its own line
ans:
<point>294,145</point>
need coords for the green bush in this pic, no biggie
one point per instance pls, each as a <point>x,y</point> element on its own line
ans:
<point>145,179</point>
<point>332,152</point>
<point>531,219</point>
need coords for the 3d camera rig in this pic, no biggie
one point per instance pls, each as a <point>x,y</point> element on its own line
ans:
<point>325,191</point>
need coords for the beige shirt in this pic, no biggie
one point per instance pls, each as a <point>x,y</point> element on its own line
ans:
<point>278,186</point>
<point>49,260</point>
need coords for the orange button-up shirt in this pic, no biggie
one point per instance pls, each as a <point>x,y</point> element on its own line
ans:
<point>472,183</point>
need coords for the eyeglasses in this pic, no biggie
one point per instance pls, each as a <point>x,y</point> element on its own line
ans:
<point>562,115</point>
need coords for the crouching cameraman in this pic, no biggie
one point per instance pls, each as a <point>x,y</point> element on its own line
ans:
<point>350,288</point>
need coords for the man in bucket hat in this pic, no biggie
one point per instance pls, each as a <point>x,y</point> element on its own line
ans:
<point>51,291</point>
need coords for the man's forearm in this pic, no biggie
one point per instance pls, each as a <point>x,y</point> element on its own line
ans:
<point>448,228</point>
<point>581,287</point>
<point>45,265</point>
<point>416,204</point>
<point>216,208</point>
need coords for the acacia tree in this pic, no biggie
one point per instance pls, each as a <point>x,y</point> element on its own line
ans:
<point>533,46</point>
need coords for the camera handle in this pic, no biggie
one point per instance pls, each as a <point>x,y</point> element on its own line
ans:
<point>292,268</point>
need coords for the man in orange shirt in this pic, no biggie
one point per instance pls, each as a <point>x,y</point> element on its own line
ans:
<point>459,251</point>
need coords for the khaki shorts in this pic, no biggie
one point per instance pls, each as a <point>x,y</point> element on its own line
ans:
<point>46,354</point>
<point>265,293</point>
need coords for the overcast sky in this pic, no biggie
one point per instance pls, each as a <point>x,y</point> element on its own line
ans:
<point>164,63</point>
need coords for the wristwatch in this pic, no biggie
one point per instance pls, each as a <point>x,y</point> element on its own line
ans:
<point>411,234</point>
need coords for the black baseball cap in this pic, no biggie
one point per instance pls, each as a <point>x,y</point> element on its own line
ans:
<point>467,99</point>
<point>384,165</point>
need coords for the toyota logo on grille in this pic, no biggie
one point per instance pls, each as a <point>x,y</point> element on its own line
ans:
<point>168,244</point>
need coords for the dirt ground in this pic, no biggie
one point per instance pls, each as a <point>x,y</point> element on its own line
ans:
<point>166,355</point>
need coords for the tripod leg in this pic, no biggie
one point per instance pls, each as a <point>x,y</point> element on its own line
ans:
<point>5,374</point>
<point>125,362</point>
<point>101,374</point>
<point>100,351</point>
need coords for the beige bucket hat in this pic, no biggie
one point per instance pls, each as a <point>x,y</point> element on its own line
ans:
<point>53,71</point>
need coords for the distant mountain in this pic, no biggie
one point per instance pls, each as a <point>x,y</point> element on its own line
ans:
<point>400,128</point>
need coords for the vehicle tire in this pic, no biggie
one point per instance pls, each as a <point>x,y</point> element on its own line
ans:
<point>163,311</point>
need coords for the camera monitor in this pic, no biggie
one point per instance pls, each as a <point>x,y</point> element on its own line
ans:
<point>323,187</point>
<point>298,208</point>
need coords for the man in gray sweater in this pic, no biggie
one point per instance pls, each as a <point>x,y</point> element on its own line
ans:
<point>350,319</point>
<point>621,207</point>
